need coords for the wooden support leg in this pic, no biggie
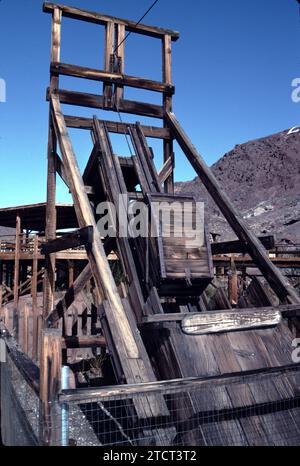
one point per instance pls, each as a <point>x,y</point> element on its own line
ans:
<point>50,386</point>
<point>16,277</point>
<point>167,78</point>
<point>233,285</point>
<point>35,316</point>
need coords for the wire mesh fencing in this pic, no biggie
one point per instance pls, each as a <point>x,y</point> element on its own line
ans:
<point>253,410</point>
<point>253,413</point>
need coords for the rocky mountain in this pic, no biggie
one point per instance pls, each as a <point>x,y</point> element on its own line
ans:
<point>262,179</point>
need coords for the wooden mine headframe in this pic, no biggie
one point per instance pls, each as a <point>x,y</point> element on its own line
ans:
<point>155,271</point>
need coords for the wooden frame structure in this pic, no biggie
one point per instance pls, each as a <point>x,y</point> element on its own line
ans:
<point>146,317</point>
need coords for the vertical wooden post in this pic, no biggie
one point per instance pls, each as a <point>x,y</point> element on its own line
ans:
<point>50,386</point>
<point>109,61</point>
<point>26,329</point>
<point>233,284</point>
<point>167,102</point>
<point>120,65</point>
<point>16,277</point>
<point>35,315</point>
<point>49,278</point>
<point>71,273</point>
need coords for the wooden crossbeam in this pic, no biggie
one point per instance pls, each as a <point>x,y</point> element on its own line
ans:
<point>277,281</point>
<point>182,385</point>
<point>287,311</point>
<point>167,169</point>
<point>81,237</point>
<point>237,247</point>
<point>111,78</point>
<point>86,341</point>
<point>83,99</point>
<point>116,127</point>
<point>99,18</point>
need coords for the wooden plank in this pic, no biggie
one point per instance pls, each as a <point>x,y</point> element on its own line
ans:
<point>277,281</point>
<point>166,169</point>
<point>120,57</point>
<point>110,78</point>
<point>215,322</point>
<point>60,169</point>
<point>97,101</point>
<point>181,385</point>
<point>238,247</point>
<point>86,341</point>
<point>168,103</point>
<point>81,237</point>
<point>17,261</point>
<point>51,218</point>
<point>287,311</point>
<point>99,18</point>
<point>35,314</point>
<point>116,127</point>
<point>50,386</point>
<point>109,62</point>
<point>26,329</point>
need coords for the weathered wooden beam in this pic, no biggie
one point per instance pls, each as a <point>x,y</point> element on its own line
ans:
<point>238,247</point>
<point>109,62</point>
<point>247,261</point>
<point>83,99</point>
<point>17,278</point>
<point>26,329</point>
<point>81,237</point>
<point>86,341</point>
<point>35,314</point>
<point>166,169</point>
<point>168,104</point>
<point>99,18</point>
<point>116,127</point>
<point>180,385</point>
<point>277,281</point>
<point>60,169</point>
<point>51,217</point>
<point>50,386</point>
<point>111,78</point>
<point>119,53</point>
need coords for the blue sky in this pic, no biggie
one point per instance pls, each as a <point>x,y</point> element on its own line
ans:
<point>233,68</point>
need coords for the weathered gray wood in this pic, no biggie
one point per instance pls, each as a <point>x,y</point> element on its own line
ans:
<point>50,386</point>
<point>215,322</point>
<point>81,237</point>
<point>182,385</point>
<point>277,281</point>
<point>99,18</point>
<point>111,77</point>
<point>97,101</point>
<point>116,127</point>
<point>287,311</point>
<point>237,247</point>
